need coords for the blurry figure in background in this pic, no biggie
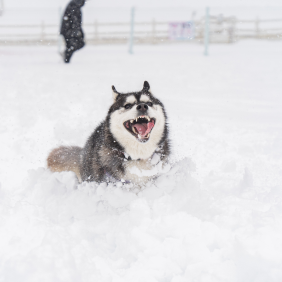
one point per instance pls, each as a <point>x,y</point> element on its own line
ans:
<point>71,28</point>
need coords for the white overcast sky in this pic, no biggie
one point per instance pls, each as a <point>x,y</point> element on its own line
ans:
<point>143,3</point>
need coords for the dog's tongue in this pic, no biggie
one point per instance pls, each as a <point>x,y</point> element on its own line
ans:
<point>143,128</point>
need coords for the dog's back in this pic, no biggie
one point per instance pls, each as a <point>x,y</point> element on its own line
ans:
<point>65,158</point>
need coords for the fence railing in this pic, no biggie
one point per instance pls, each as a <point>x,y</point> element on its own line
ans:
<point>221,30</point>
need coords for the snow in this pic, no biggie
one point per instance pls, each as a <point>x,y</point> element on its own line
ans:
<point>215,215</point>
<point>158,168</point>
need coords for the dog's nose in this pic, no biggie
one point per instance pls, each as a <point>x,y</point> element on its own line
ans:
<point>142,107</point>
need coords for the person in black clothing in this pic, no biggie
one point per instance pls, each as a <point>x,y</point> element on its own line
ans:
<point>71,28</point>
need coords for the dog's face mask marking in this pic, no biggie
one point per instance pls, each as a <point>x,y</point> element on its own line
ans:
<point>144,98</point>
<point>137,119</point>
<point>142,120</point>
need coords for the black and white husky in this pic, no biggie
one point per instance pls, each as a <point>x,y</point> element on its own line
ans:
<point>126,147</point>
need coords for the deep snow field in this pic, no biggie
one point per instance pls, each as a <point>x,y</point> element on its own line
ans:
<point>216,215</point>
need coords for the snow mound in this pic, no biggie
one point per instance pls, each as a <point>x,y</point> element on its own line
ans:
<point>172,230</point>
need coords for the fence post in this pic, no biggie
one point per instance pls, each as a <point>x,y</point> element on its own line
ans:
<point>131,38</point>
<point>153,31</point>
<point>207,31</point>
<point>96,31</point>
<point>42,31</point>
<point>59,33</point>
<point>1,7</point>
<point>231,30</point>
<point>257,28</point>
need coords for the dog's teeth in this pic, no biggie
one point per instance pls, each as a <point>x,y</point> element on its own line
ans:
<point>148,135</point>
<point>139,136</point>
<point>148,118</point>
<point>132,120</point>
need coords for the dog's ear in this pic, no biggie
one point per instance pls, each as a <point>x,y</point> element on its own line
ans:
<point>115,94</point>
<point>146,86</point>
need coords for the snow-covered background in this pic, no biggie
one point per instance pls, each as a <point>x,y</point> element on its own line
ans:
<point>215,216</point>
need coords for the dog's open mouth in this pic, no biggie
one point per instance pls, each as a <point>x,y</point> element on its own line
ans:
<point>140,127</point>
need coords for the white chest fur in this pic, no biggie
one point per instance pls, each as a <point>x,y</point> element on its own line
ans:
<point>142,170</point>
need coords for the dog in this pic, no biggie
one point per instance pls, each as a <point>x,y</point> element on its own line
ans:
<point>126,146</point>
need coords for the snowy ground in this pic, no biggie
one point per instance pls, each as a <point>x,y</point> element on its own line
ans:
<point>216,216</point>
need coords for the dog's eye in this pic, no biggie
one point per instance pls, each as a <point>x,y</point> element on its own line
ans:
<point>150,104</point>
<point>127,106</point>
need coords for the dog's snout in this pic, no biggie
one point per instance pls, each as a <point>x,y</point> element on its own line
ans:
<point>142,107</point>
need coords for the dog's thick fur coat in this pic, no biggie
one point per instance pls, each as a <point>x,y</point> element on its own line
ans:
<point>114,149</point>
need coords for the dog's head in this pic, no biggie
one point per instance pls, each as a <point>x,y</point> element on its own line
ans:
<point>137,121</point>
